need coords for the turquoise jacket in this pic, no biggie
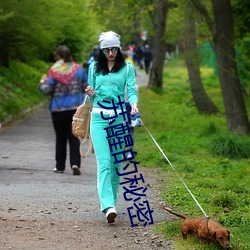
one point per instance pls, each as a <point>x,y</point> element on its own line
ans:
<point>112,85</point>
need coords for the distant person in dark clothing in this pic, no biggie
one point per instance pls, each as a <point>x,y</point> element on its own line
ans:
<point>138,55</point>
<point>92,57</point>
<point>93,54</point>
<point>147,54</point>
<point>65,83</point>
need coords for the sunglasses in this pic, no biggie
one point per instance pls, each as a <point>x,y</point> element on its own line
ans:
<point>106,51</point>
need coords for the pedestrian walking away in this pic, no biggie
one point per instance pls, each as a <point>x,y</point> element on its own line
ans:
<point>147,54</point>
<point>65,83</point>
<point>108,77</point>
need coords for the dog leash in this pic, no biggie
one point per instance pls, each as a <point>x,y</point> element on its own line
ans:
<point>175,170</point>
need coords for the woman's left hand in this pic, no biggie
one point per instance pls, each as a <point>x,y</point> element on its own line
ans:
<point>90,91</point>
<point>134,109</point>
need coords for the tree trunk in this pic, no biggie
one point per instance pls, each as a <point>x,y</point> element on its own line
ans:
<point>159,46</point>
<point>235,109</point>
<point>223,38</point>
<point>201,99</point>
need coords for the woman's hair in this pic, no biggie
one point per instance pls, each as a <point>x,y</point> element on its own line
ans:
<point>102,67</point>
<point>63,52</point>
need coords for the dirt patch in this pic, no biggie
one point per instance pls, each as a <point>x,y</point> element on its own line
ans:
<point>50,234</point>
<point>29,223</point>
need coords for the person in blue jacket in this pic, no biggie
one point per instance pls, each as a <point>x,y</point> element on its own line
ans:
<point>65,83</point>
<point>108,77</point>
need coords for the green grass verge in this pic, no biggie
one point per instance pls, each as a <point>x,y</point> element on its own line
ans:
<point>214,164</point>
<point>19,88</point>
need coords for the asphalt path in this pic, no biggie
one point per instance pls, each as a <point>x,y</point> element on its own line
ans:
<point>30,189</point>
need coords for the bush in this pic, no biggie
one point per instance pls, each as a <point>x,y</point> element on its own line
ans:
<point>19,88</point>
<point>231,146</point>
<point>224,200</point>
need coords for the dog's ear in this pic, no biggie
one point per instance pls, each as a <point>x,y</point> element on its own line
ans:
<point>228,237</point>
<point>214,235</point>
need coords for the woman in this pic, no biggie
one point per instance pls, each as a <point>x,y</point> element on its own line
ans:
<point>108,77</point>
<point>65,83</point>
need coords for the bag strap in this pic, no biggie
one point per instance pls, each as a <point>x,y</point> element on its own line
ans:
<point>126,83</point>
<point>93,66</point>
<point>127,71</point>
<point>86,138</point>
<point>85,99</point>
<point>127,75</point>
<point>91,148</point>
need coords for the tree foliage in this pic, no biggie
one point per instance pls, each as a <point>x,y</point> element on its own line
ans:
<point>242,35</point>
<point>28,33</point>
<point>241,18</point>
<point>175,25</point>
<point>126,17</point>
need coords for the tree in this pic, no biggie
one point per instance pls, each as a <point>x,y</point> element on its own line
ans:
<point>127,17</point>
<point>159,44</point>
<point>28,33</point>
<point>23,33</point>
<point>201,99</point>
<point>223,38</point>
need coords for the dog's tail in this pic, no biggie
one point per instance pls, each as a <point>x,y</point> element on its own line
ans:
<point>175,213</point>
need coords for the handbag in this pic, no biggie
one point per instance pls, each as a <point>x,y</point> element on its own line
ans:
<point>81,126</point>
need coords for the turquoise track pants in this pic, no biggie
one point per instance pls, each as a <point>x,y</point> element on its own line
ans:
<point>107,179</point>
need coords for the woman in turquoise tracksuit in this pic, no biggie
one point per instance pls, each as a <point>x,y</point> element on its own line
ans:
<point>108,77</point>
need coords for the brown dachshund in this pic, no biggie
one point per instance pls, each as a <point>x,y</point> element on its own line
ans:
<point>204,229</point>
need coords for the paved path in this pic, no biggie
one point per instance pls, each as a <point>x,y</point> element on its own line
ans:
<point>29,188</point>
<point>141,78</point>
<point>27,160</point>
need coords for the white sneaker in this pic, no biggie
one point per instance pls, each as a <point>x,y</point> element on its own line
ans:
<point>111,214</point>
<point>58,171</point>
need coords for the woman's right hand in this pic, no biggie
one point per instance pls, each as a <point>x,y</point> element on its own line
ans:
<point>43,79</point>
<point>90,91</point>
<point>134,109</point>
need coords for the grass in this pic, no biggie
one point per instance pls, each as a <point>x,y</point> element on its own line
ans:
<point>19,88</point>
<point>214,164</point>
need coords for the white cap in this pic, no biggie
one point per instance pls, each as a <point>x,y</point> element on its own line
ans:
<point>109,39</point>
